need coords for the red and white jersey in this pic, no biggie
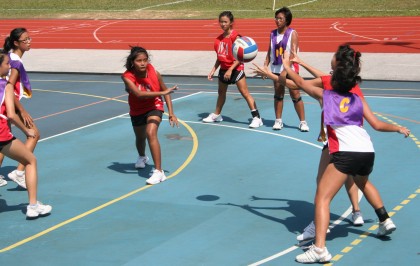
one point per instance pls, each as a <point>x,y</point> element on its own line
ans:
<point>139,106</point>
<point>5,132</point>
<point>223,47</point>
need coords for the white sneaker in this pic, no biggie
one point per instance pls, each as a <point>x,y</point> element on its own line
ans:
<point>386,227</point>
<point>303,126</point>
<point>213,118</point>
<point>141,162</point>
<point>357,218</point>
<point>2,181</point>
<point>256,122</point>
<point>38,209</point>
<point>278,124</point>
<point>157,177</point>
<point>314,254</point>
<point>308,232</point>
<point>19,179</point>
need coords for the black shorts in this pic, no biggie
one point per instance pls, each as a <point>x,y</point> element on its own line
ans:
<point>141,120</point>
<point>353,163</point>
<point>236,76</point>
<point>5,143</point>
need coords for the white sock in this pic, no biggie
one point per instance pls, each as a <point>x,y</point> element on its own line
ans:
<point>20,173</point>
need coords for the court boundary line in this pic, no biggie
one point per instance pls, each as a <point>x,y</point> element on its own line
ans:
<point>108,203</point>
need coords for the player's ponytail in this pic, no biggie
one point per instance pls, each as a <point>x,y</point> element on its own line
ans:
<point>9,42</point>
<point>346,73</point>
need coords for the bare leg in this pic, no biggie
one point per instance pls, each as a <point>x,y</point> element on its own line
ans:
<point>152,138</point>
<point>243,89</point>
<point>16,150</point>
<point>328,186</point>
<point>353,193</point>
<point>298,104</point>
<point>140,134</point>
<point>278,104</point>
<point>221,97</point>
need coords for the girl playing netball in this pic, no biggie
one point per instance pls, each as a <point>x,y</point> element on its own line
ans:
<point>145,87</point>
<point>16,45</point>
<point>14,148</point>
<point>349,144</point>
<point>231,72</point>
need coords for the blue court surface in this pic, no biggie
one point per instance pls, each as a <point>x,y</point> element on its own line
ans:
<point>235,196</point>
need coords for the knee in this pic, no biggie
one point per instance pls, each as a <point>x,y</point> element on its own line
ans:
<point>278,98</point>
<point>296,100</point>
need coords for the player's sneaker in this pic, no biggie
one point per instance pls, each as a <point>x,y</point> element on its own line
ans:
<point>386,227</point>
<point>278,124</point>
<point>141,162</point>
<point>213,118</point>
<point>19,179</point>
<point>314,254</point>
<point>157,177</point>
<point>357,218</point>
<point>37,210</point>
<point>308,232</point>
<point>303,126</point>
<point>256,122</point>
<point>2,181</point>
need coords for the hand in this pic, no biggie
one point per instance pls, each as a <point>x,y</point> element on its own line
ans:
<point>170,90</point>
<point>30,133</point>
<point>27,119</point>
<point>227,75</point>
<point>210,75</point>
<point>296,59</point>
<point>173,121</point>
<point>405,131</point>
<point>286,58</point>
<point>260,71</point>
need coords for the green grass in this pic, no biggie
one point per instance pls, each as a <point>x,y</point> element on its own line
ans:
<point>202,9</point>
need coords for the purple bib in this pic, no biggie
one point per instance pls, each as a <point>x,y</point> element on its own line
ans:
<point>342,109</point>
<point>279,47</point>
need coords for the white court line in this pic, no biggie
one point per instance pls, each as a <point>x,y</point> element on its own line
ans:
<point>335,24</point>
<point>103,121</point>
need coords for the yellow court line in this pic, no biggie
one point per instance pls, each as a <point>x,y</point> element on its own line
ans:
<point>83,94</point>
<point>78,217</point>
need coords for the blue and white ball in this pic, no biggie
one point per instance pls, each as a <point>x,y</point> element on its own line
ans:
<point>245,49</point>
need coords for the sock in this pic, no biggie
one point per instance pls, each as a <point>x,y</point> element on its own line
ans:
<point>279,120</point>
<point>255,113</point>
<point>20,173</point>
<point>382,214</point>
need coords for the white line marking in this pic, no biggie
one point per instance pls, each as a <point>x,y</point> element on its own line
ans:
<point>355,35</point>
<point>294,247</point>
<point>166,4</point>
<point>299,4</point>
<point>95,31</point>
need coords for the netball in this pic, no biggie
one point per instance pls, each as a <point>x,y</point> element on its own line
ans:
<point>245,49</point>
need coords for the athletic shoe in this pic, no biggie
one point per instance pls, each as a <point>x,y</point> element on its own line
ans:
<point>19,179</point>
<point>314,254</point>
<point>386,227</point>
<point>157,177</point>
<point>357,218</point>
<point>308,232</point>
<point>256,122</point>
<point>141,162</point>
<point>37,210</point>
<point>278,124</point>
<point>213,118</point>
<point>2,181</point>
<point>303,126</point>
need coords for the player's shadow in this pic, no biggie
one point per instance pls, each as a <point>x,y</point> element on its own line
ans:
<point>6,208</point>
<point>301,214</point>
<point>225,119</point>
<point>128,168</point>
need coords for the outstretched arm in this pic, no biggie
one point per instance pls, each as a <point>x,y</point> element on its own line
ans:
<point>379,125</point>
<point>173,120</point>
